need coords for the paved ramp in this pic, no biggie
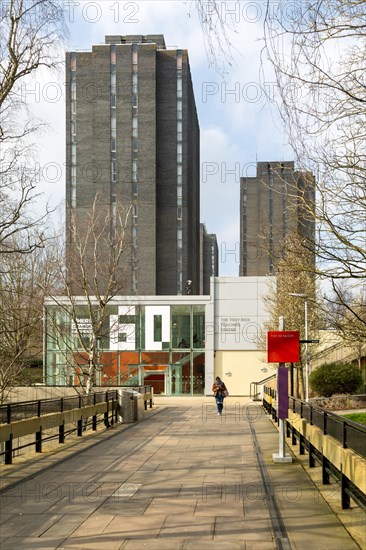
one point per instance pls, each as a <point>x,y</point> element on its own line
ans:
<point>184,478</point>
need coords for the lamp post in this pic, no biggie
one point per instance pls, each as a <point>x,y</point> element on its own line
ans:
<point>298,295</point>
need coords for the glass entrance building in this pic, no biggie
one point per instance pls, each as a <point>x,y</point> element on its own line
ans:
<point>132,344</point>
<point>177,344</point>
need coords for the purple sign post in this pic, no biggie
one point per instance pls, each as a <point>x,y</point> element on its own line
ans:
<point>282,392</point>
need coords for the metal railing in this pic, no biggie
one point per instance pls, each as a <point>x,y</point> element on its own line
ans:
<point>11,412</point>
<point>19,410</point>
<point>349,434</point>
<point>52,419</point>
<point>255,387</point>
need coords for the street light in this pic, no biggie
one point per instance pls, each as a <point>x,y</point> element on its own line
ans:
<point>297,295</point>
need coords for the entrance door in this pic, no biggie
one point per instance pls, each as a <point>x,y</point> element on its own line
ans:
<point>176,379</point>
<point>172,379</point>
<point>156,376</point>
<point>181,373</point>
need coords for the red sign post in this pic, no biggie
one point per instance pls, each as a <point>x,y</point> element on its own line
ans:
<point>283,346</point>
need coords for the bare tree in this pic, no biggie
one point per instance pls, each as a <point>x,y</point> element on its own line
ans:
<point>318,52</point>
<point>280,303</point>
<point>346,313</point>
<point>31,35</point>
<point>24,281</point>
<point>95,275</point>
<point>217,23</point>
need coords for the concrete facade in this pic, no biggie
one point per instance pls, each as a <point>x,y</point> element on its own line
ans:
<point>272,206</point>
<point>239,318</point>
<point>209,259</point>
<point>132,141</point>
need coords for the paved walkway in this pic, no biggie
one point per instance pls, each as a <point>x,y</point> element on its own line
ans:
<point>184,478</point>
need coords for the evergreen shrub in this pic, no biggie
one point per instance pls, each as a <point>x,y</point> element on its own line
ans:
<point>335,379</point>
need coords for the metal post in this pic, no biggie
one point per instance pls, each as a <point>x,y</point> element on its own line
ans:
<point>311,456</point>
<point>306,354</point>
<point>345,498</point>
<point>61,432</point>
<point>282,449</point>
<point>292,379</point>
<point>80,427</point>
<point>9,450</point>
<point>39,440</point>
<point>282,381</point>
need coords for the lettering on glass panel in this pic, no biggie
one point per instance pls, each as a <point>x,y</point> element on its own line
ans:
<point>157,327</point>
<point>123,329</point>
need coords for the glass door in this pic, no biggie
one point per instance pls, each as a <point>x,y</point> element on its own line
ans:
<point>156,376</point>
<point>181,375</point>
<point>176,379</point>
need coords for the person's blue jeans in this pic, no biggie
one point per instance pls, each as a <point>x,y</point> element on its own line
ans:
<point>219,402</point>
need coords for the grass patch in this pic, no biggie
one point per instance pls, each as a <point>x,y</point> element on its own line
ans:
<point>356,417</point>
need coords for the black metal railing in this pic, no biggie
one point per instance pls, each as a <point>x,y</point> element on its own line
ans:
<point>20,410</point>
<point>349,434</point>
<point>31,423</point>
<point>255,387</point>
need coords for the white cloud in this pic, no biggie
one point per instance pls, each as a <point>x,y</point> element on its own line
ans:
<point>220,183</point>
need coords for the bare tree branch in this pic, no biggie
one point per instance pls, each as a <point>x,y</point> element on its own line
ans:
<point>95,275</point>
<point>318,53</point>
<point>32,33</point>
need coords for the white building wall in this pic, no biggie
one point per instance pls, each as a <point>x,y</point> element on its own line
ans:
<point>209,344</point>
<point>239,368</point>
<point>239,320</point>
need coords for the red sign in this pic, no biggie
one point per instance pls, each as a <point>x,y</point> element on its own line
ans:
<point>283,346</point>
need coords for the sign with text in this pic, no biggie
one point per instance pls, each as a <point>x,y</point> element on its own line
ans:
<point>283,346</point>
<point>83,326</point>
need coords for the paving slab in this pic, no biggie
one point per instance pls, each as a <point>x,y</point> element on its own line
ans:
<point>202,544</point>
<point>157,544</point>
<point>184,478</point>
<point>33,543</point>
<point>187,526</point>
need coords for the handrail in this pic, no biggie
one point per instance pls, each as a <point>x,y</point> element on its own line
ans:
<point>346,432</point>
<point>48,419</point>
<point>350,434</point>
<point>254,393</point>
<point>19,410</point>
<point>266,379</point>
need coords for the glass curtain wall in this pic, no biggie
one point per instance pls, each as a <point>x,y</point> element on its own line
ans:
<point>158,345</point>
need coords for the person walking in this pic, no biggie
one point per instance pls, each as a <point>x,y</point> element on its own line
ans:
<point>220,392</point>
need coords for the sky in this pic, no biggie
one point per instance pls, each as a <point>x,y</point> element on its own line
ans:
<point>239,124</point>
